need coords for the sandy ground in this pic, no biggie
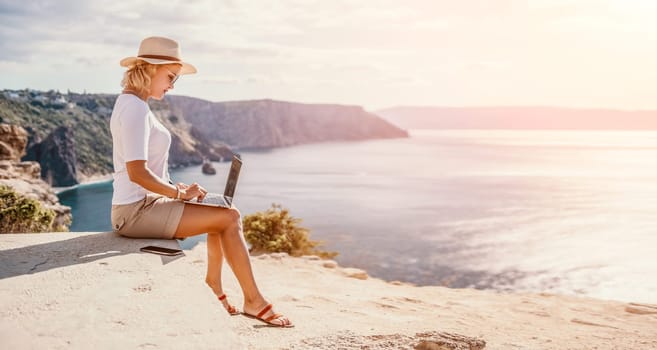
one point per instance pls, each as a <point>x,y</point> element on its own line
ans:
<point>97,291</point>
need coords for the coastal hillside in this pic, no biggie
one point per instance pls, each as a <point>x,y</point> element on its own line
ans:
<point>546,118</point>
<point>68,133</point>
<point>268,123</point>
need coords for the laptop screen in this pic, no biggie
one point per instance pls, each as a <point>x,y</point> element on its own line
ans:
<point>234,173</point>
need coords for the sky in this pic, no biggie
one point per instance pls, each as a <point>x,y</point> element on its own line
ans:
<point>372,53</point>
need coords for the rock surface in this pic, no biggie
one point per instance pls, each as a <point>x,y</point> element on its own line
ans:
<point>355,273</point>
<point>56,155</point>
<point>25,177</point>
<point>641,309</point>
<point>420,341</point>
<point>96,290</point>
<point>12,142</point>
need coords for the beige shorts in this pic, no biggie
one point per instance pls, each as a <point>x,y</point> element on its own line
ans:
<point>154,216</point>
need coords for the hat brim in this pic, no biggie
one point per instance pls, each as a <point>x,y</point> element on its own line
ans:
<point>185,69</point>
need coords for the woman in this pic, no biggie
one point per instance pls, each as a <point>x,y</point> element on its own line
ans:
<point>146,205</point>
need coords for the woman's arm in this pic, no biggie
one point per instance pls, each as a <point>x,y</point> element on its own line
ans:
<point>144,177</point>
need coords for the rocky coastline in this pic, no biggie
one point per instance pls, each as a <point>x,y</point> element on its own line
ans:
<point>62,140</point>
<point>25,176</point>
<point>68,134</point>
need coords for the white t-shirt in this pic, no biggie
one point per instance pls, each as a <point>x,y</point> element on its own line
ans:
<point>136,135</point>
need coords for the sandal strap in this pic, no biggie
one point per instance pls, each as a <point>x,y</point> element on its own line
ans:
<point>222,297</point>
<point>264,311</point>
<point>273,317</point>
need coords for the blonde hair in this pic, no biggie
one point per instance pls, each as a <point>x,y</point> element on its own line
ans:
<point>138,77</point>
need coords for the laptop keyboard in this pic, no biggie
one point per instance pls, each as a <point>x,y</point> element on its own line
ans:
<point>213,198</point>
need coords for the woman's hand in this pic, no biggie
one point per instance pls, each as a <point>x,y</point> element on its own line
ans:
<point>189,192</point>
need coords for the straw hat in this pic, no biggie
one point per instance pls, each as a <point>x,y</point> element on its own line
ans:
<point>159,50</point>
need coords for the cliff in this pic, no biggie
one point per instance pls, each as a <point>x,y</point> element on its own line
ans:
<point>96,290</point>
<point>25,176</point>
<point>269,123</point>
<point>57,157</point>
<point>69,133</point>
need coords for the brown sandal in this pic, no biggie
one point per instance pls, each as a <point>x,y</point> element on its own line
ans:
<point>270,318</point>
<point>231,309</point>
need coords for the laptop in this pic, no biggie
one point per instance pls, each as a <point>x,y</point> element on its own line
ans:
<point>223,200</point>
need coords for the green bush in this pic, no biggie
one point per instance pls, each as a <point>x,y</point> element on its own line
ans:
<point>276,231</point>
<point>22,214</point>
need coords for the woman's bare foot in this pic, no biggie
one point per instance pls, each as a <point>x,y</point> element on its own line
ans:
<point>218,291</point>
<point>263,311</point>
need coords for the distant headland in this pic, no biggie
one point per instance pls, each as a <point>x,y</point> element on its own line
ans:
<point>523,118</point>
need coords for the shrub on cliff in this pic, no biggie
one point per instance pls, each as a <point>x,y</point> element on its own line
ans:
<point>22,214</point>
<point>276,231</point>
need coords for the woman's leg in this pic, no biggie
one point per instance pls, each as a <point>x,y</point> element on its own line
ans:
<point>215,265</point>
<point>224,228</point>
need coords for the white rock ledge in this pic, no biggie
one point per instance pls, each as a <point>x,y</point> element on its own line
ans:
<point>98,291</point>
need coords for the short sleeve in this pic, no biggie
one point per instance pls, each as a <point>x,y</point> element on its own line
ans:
<point>135,131</point>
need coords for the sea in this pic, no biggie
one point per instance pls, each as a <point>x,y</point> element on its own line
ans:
<point>569,212</point>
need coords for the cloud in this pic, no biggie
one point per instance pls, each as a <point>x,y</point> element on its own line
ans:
<point>313,50</point>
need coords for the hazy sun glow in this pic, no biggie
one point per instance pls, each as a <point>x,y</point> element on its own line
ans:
<point>585,53</point>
